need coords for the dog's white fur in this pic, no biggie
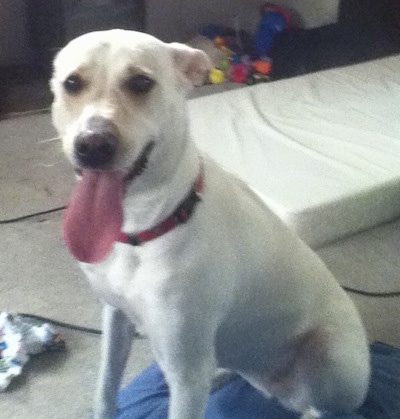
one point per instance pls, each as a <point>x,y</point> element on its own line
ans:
<point>233,287</point>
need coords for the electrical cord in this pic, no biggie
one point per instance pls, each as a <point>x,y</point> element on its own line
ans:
<point>390,294</point>
<point>137,335</point>
<point>69,325</point>
<point>35,214</point>
<point>61,324</point>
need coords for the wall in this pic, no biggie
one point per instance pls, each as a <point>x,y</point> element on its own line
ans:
<point>170,20</point>
<point>179,20</point>
<point>14,43</point>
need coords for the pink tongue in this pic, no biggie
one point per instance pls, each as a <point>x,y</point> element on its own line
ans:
<point>93,219</point>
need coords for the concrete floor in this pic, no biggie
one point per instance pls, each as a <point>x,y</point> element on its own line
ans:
<point>38,276</point>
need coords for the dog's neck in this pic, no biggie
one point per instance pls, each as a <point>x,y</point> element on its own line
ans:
<point>154,195</point>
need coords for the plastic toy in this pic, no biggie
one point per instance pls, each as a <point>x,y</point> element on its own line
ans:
<point>271,7</point>
<point>262,66</point>
<point>275,19</point>
<point>256,78</point>
<point>239,73</point>
<point>244,58</point>
<point>216,76</point>
<point>260,71</point>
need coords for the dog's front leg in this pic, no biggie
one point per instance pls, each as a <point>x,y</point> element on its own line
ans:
<point>116,343</point>
<point>189,388</point>
<point>189,365</point>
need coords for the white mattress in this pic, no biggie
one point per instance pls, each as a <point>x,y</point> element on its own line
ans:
<point>322,149</point>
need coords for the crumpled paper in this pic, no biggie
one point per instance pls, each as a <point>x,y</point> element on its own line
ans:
<point>21,337</point>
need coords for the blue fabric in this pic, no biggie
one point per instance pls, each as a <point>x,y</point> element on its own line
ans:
<point>146,397</point>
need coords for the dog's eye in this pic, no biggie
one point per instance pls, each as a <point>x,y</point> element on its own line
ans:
<point>73,84</point>
<point>139,84</point>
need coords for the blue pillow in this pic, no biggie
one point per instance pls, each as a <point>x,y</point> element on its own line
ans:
<point>146,397</point>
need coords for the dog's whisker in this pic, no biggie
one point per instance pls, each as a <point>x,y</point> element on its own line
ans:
<point>56,162</point>
<point>46,164</point>
<point>50,164</point>
<point>49,140</point>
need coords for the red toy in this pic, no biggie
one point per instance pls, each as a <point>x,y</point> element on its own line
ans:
<point>239,73</point>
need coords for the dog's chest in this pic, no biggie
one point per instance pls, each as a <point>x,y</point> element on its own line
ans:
<point>127,280</point>
<point>114,279</point>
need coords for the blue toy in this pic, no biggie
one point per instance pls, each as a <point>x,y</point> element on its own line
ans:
<point>274,20</point>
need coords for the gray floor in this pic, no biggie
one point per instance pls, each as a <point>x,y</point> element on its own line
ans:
<point>38,276</point>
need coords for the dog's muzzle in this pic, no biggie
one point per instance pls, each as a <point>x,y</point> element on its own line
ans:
<point>96,146</point>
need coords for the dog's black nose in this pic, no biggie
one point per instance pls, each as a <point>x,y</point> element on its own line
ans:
<point>96,147</point>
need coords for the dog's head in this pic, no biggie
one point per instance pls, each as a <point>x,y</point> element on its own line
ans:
<point>118,94</point>
<point>119,106</point>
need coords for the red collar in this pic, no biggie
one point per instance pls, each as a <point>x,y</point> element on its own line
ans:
<point>181,214</point>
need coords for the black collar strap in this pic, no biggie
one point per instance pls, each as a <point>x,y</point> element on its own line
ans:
<point>181,214</point>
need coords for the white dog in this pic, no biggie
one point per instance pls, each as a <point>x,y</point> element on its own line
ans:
<point>183,250</point>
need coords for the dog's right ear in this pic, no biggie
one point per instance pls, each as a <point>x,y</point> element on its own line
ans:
<point>192,64</point>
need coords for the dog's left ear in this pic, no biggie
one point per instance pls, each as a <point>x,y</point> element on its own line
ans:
<point>192,64</point>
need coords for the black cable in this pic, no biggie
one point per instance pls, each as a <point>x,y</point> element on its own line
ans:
<point>35,214</point>
<point>390,294</point>
<point>68,325</point>
<point>138,336</point>
<point>61,324</point>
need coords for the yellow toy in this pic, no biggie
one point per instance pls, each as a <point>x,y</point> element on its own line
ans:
<point>216,76</point>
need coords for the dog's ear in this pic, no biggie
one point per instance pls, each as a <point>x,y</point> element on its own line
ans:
<point>192,64</point>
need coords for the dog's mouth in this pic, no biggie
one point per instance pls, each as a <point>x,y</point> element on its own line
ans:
<point>140,164</point>
<point>136,169</point>
<point>93,220</point>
